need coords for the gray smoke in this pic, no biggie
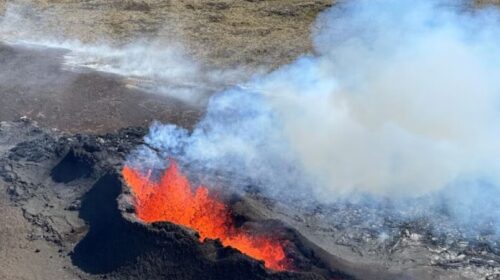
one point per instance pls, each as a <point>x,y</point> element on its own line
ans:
<point>400,101</point>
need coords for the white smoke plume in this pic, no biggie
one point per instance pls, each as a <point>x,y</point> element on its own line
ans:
<point>401,99</point>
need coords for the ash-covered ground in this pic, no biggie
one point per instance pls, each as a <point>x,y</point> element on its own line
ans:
<point>68,126</point>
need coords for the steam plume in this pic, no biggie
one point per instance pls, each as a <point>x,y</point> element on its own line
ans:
<point>400,100</point>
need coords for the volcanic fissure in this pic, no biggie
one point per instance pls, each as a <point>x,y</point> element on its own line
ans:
<point>173,199</point>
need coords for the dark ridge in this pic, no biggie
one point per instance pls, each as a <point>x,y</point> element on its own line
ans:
<point>73,166</point>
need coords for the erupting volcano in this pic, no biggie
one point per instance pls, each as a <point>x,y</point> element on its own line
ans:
<point>173,199</point>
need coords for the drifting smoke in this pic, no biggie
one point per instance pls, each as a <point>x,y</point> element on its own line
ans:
<point>158,66</point>
<point>400,100</point>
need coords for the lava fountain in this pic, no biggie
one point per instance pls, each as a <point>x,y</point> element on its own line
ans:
<point>173,199</point>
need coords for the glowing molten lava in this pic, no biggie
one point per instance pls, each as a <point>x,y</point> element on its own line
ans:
<point>172,199</point>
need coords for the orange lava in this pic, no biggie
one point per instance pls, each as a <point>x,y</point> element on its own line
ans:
<point>172,199</point>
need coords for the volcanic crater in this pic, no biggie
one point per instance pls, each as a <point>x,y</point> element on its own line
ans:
<point>115,243</point>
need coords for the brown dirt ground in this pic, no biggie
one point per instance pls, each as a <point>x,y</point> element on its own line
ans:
<point>223,32</point>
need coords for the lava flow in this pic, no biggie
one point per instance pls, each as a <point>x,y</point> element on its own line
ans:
<point>172,199</point>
